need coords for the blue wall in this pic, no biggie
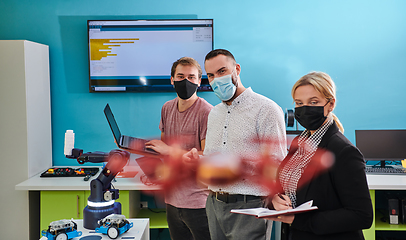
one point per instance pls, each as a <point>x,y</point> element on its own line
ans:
<point>361,44</point>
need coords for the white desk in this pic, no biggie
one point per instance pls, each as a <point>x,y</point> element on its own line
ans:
<point>36,183</point>
<point>383,182</point>
<point>139,231</point>
<point>386,182</point>
<point>72,204</point>
<point>375,182</point>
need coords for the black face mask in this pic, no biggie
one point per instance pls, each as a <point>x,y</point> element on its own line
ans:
<point>185,89</point>
<point>310,117</point>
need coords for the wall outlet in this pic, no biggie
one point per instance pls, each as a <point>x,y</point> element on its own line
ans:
<point>143,204</point>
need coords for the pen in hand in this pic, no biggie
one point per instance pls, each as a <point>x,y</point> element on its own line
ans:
<point>281,197</point>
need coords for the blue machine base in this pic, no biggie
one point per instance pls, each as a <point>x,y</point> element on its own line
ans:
<point>93,214</point>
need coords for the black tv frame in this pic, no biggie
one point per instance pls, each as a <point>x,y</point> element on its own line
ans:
<point>152,86</point>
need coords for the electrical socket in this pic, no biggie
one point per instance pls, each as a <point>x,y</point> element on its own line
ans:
<point>143,204</point>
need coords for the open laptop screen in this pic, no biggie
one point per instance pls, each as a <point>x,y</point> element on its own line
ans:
<point>112,123</point>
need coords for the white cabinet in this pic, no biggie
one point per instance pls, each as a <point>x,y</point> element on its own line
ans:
<point>25,128</point>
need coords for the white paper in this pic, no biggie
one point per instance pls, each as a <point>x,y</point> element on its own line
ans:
<point>265,212</point>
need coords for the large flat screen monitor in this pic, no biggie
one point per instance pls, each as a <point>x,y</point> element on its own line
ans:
<point>381,145</point>
<point>137,55</point>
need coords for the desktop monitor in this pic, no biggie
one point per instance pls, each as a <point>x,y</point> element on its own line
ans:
<point>382,145</point>
<point>137,55</point>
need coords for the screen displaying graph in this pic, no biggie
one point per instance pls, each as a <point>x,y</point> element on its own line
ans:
<point>138,55</point>
<point>102,48</point>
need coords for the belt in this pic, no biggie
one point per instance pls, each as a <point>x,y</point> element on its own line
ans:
<point>233,198</point>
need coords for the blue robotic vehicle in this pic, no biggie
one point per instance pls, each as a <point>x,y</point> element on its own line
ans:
<point>62,230</point>
<point>113,225</point>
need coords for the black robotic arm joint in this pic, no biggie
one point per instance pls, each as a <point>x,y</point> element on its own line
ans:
<point>100,188</point>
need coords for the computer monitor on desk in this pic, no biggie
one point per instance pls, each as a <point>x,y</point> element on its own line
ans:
<point>382,145</point>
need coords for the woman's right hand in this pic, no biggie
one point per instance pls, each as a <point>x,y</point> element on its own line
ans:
<point>281,202</point>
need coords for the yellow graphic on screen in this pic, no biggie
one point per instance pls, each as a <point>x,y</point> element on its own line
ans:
<point>98,45</point>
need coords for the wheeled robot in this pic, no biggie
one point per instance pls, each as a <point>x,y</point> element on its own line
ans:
<point>113,225</point>
<point>61,230</point>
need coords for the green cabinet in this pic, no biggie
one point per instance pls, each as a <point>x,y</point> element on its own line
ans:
<point>369,234</point>
<point>157,217</point>
<point>381,224</point>
<point>57,205</point>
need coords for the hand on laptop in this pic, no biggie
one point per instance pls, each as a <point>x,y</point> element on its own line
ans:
<point>137,147</point>
<point>159,146</point>
<point>174,152</point>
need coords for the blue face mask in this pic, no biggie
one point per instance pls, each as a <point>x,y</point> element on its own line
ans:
<point>223,87</point>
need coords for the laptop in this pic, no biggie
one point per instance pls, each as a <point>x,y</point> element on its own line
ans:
<point>123,141</point>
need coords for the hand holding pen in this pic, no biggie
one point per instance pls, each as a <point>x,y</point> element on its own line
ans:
<point>281,202</point>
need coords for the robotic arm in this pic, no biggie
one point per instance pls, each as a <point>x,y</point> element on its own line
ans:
<point>100,188</point>
<point>93,157</point>
<point>101,200</point>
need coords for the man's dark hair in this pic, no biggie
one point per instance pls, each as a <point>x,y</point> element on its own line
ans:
<point>216,52</point>
<point>186,61</point>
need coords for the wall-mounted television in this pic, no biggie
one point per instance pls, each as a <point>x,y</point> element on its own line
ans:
<point>137,55</point>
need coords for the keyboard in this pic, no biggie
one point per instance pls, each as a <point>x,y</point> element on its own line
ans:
<point>385,170</point>
<point>136,143</point>
<point>69,172</point>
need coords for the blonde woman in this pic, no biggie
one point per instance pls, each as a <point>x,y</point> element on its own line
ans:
<point>340,193</point>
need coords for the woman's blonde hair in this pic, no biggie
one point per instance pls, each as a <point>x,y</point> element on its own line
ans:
<point>323,84</point>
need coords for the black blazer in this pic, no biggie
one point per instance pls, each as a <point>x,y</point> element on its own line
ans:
<point>341,194</point>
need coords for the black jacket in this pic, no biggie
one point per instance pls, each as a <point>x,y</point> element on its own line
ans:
<point>340,193</point>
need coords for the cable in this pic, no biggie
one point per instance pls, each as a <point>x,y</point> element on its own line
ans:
<point>154,211</point>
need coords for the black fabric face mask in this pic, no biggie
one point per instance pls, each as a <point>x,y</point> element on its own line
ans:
<point>310,117</point>
<point>185,89</point>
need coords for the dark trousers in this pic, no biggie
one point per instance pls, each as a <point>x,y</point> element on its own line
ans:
<point>231,226</point>
<point>186,223</point>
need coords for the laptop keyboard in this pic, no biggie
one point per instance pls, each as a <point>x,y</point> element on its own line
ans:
<point>138,142</point>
